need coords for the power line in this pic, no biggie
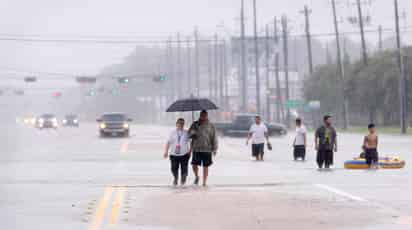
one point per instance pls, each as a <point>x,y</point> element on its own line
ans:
<point>79,40</point>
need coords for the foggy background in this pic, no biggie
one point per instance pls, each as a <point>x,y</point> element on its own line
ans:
<point>58,40</point>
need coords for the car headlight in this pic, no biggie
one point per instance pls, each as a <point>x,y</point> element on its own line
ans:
<point>75,121</point>
<point>33,121</point>
<point>64,121</point>
<point>41,120</point>
<point>102,125</point>
<point>125,125</point>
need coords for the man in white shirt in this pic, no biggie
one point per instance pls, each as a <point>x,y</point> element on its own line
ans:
<point>258,132</point>
<point>178,148</point>
<point>299,143</point>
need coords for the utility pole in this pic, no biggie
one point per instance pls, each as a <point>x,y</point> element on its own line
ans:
<point>169,71</point>
<point>221,75</point>
<point>267,59</point>
<point>209,68</point>
<point>279,104</point>
<point>380,38</point>
<point>364,52</point>
<point>189,67</point>
<point>340,68</point>
<point>306,11</point>
<point>402,77</point>
<point>172,72</point>
<point>286,64</point>
<point>179,68</point>
<point>255,39</point>
<point>243,67</point>
<point>197,72</point>
<point>225,75</point>
<point>216,69</point>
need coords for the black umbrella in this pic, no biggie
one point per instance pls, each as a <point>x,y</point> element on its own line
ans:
<point>192,104</point>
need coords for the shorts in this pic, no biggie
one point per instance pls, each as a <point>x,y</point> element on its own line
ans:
<point>258,149</point>
<point>371,156</point>
<point>202,159</point>
<point>299,151</point>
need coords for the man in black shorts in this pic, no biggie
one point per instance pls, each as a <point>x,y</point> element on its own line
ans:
<point>204,145</point>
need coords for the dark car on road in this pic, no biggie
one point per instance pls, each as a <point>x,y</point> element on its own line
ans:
<point>46,121</point>
<point>241,123</point>
<point>70,120</point>
<point>114,124</point>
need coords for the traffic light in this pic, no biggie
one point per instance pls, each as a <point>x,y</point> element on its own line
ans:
<point>30,79</point>
<point>123,80</point>
<point>91,93</point>
<point>160,78</point>
<point>86,80</point>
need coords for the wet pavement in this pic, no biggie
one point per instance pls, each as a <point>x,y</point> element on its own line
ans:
<point>72,179</point>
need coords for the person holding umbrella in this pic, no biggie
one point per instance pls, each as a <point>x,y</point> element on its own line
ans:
<point>178,150</point>
<point>204,145</point>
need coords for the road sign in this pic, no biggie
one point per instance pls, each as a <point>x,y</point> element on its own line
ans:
<point>86,80</point>
<point>314,105</point>
<point>293,104</point>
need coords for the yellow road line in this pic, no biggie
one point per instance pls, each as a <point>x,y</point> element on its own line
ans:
<point>100,210</point>
<point>117,202</point>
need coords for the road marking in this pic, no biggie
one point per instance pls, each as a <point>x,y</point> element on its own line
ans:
<point>117,202</point>
<point>340,192</point>
<point>100,210</point>
<point>125,147</point>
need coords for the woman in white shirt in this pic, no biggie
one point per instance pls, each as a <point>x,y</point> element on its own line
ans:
<point>299,143</point>
<point>178,150</point>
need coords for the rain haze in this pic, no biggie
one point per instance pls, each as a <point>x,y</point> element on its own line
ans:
<point>206,114</point>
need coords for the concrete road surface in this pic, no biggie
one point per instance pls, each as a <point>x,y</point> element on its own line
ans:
<point>71,179</point>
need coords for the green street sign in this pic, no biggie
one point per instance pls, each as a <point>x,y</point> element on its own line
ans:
<point>163,78</point>
<point>293,104</point>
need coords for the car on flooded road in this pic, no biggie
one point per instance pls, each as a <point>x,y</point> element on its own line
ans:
<point>114,124</point>
<point>47,121</point>
<point>240,125</point>
<point>70,120</point>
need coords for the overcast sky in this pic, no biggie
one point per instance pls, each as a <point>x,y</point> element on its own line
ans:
<point>146,20</point>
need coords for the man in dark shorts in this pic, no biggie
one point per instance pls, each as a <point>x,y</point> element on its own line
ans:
<point>299,143</point>
<point>325,143</point>
<point>258,132</point>
<point>204,145</point>
<point>371,145</point>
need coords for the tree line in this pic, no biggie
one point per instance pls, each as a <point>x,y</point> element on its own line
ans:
<point>372,90</point>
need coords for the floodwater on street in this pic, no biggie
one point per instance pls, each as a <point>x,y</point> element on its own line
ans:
<point>70,178</point>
